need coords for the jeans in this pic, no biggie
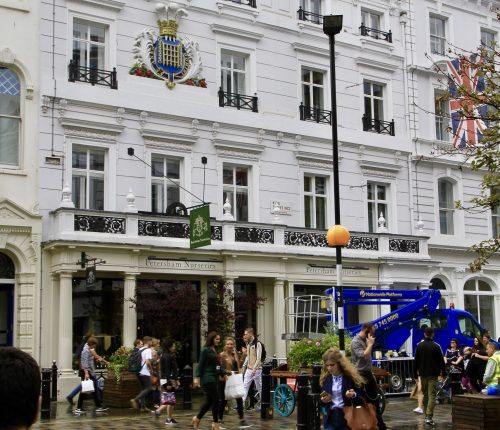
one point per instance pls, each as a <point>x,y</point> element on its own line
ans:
<point>145,381</point>
<point>335,420</point>
<point>95,395</point>
<point>429,388</point>
<point>211,401</point>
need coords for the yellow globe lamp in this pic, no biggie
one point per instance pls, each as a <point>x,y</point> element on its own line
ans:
<point>337,235</point>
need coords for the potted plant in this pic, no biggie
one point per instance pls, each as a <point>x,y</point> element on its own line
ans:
<point>306,352</point>
<point>121,385</point>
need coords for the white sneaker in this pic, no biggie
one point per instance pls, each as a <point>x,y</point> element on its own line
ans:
<point>418,410</point>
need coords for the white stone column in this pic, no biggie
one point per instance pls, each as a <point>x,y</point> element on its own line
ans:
<point>279,318</point>
<point>385,309</point>
<point>65,353</point>
<point>129,332</point>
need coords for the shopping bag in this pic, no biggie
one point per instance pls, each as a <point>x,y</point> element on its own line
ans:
<point>87,386</point>
<point>361,417</point>
<point>234,387</point>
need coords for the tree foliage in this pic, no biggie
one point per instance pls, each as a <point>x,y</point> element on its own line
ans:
<point>483,157</point>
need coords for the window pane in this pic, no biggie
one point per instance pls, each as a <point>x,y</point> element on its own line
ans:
<point>381,192</point>
<point>10,90</point>
<point>306,95</point>
<point>79,159</point>
<point>157,198</point>
<point>228,194</point>
<point>470,285</point>
<point>241,177</point>
<point>365,18</point>
<point>96,160</point>
<point>470,304</point>
<point>318,78</point>
<point>172,194</point>
<point>157,168</point>
<point>239,83</point>
<point>241,206</point>
<point>239,62</point>
<point>97,33</point>
<point>370,190</point>
<point>9,141</point>
<point>308,211</point>
<point>307,183</point>
<point>80,53</point>
<point>378,110</point>
<point>306,75</point>
<point>382,209</point>
<point>320,185</point>
<point>79,189</point>
<point>377,90</point>
<point>368,107</point>
<point>371,217</point>
<point>80,30</point>
<point>320,212</point>
<point>318,97</point>
<point>226,60</point>
<point>173,169</point>
<point>486,311</point>
<point>227,176</point>
<point>96,191</point>
<point>483,286</point>
<point>96,57</point>
<point>375,21</point>
<point>226,81</point>
<point>367,88</point>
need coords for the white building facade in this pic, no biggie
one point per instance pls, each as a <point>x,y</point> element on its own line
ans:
<point>20,220</point>
<point>249,94</point>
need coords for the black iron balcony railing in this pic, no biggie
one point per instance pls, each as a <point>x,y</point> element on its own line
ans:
<point>238,101</point>
<point>378,126</point>
<point>251,3</point>
<point>92,75</point>
<point>308,113</point>
<point>304,15</point>
<point>376,34</point>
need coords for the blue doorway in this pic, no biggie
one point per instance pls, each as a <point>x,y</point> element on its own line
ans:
<point>6,314</point>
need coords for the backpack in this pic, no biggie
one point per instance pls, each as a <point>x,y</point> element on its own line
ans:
<point>263,354</point>
<point>134,364</point>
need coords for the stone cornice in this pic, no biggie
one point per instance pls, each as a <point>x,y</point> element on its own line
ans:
<point>314,160</point>
<point>309,49</point>
<point>164,139</point>
<point>230,148</point>
<point>368,62</point>
<point>375,165</point>
<point>114,5</point>
<point>234,31</point>
<point>91,129</point>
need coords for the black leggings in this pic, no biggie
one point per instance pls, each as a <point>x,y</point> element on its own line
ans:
<point>211,401</point>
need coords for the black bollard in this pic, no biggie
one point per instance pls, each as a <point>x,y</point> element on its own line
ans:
<point>266,411</point>
<point>313,411</point>
<point>316,373</point>
<point>45,409</point>
<point>302,392</point>
<point>187,388</point>
<point>53,396</point>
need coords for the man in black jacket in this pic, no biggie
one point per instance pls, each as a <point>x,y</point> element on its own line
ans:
<point>429,364</point>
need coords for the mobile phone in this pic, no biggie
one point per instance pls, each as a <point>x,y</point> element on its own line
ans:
<point>323,394</point>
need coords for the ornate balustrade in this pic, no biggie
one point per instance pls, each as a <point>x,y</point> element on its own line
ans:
<point>163,231</point>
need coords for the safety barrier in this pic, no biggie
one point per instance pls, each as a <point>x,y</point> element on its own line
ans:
<point>394,374</point>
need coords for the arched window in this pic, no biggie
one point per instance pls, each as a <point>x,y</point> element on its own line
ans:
<point>438,284</point>
<point>479,301</point>
<point>10,117</point>
<point>446,206</point>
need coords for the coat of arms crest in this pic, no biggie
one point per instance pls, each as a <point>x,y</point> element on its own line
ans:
<point>166,56</point>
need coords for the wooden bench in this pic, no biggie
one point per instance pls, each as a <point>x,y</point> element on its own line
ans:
<point>475,412</point>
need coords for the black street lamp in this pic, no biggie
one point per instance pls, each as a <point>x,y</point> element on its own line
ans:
<point>338,235</point>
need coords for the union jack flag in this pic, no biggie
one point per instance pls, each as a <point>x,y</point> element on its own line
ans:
<point>468,117</point>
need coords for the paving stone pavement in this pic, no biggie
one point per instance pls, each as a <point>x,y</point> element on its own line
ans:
<point>399,415</point>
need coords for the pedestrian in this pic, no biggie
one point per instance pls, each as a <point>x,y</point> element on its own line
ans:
<point>477,365</point>
<point>466,385</point>
<point>453,356</point>
<point>429,365</point>
<point>492,372</point>
<point>253,363</point>
<point>87,372</point>
<point>230,361</point>
<point>167,401</point>
<point>361,356</point>
<point>144,376</point>
<point>342,386</point>
<point>156,352</point>
<point>20,384</point>
<point>170,374</point>
<point>207,374</point>
<point>76,366</point>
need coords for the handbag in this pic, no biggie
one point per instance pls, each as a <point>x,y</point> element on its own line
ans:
<point>87,386</point>
<point>234,387</point>
<point>361,417</point>
<point>168,398</point>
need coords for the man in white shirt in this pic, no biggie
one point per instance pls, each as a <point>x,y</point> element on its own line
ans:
<point>138,402</point>
<point>253,363</point>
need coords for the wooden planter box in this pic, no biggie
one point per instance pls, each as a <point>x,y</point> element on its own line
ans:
<point>118,394</point>
<point>475,412</point>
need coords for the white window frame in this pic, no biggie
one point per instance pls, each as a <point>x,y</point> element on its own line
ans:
<point>226,43</point>
<point>384,97</point>
<point>372,13</point>
<point>234,188</point>
<point>489,32</point>
<point>87,173</point>
<point>443,119</point>
<point>313,85</point>
<point>21,96</point>
<point>253,185</point>
<point>314,197</point>
<point>495,218</point>
<point>305,170</point>
<point>443,38</point>
<point>88,43</point>
<point>388,216</point>
<point>109,166</point>
<point>166,182</point>
<point>232,70</point>
<point>476,293</point>
<point>447,209</point>
<point>100,15</point>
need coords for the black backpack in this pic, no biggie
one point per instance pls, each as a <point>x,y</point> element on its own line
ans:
<point>263,354</point>
<point>135,360</point>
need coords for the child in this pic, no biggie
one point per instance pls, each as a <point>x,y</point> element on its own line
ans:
<point>167,402</point>
<point>465,376</point>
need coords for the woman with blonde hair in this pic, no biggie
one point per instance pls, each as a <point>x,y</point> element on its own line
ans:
<point>342,386</point>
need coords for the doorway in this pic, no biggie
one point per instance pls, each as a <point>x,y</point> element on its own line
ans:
<point>6,314</point>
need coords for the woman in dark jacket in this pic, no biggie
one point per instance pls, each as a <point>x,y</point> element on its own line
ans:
<point>207,373</point>
<point>477,365</point>
<point>169,371</point>
<point>342,386</point>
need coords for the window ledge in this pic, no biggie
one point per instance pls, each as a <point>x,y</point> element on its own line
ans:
<point>165,139</point>
<point>91,129</point>
<point>238,149</point>
<point>234,31</point>
<point>305,48</point>
<point>238,9</point>
<point>307,159</point>
<point>375,165</point>
<point>368,62</point>
<point>21,5</point>
<point>14,171</point>
<point>114,5</point>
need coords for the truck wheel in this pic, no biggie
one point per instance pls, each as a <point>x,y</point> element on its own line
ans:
<point>397,383</point>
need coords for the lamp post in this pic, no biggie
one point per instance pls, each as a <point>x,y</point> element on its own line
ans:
<point>338,235</point>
